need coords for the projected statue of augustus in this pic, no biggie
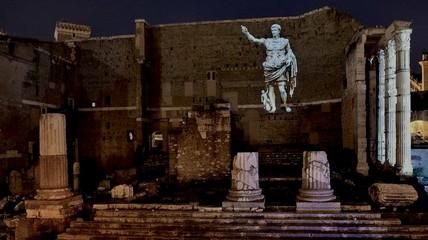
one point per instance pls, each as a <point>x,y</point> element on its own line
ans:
<point>280,67</point>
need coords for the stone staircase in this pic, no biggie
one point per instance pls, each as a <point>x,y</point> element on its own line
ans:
<point>144,222</point>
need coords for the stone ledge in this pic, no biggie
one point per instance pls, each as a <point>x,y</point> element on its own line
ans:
<point>243,206</point>
<point>54,209</point>
<point>318,207</point>
<point>149,206</point>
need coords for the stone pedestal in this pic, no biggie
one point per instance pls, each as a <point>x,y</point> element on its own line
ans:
<point>316,193</point>
<point>54,209</point>
<point>245,192</point>
<point>54,200</point>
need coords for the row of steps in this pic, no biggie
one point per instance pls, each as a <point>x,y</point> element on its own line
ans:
<point>124,224</point>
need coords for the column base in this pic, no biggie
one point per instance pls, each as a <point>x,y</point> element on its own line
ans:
<point>53,194</point>
<point>406,171</point>
<point>54,209</point>
<point>243,206</point>
<point>309,195</point>
<point>244,200</point>
<point>245,195</point>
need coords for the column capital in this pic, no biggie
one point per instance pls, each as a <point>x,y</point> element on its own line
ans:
<point>390,56</point>
<point>381,56</point>
<point>390,47</point>
<point>402,39</point>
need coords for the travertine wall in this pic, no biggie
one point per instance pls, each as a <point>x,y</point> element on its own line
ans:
<point>354,110</point>
<point>186,56</point>
<point>187,52</point>
<point>183,65</point>
<point>109,77</point>
<point>201,151</point>
<point>32,74</point>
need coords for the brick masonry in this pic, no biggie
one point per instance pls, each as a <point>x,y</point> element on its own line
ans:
<point>202,150</point>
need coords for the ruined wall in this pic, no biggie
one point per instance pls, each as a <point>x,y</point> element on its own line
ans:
<point>197,62</point>
<point>201,151</point>
<point>354,108</point>
<point>33,75</point>
<point>108,93</point>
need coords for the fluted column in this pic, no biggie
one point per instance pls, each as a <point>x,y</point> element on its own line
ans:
<point>53,158</point>
<point>381,108</point>
<point>315,178</point>
<point>404,165</point>
<point>390,103</point>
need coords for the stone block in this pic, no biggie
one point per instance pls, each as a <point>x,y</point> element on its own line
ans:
<point>123,192</point>
<point>54,209</point>
<point>318,206</point>
<point>393,195</point>
<point>243,206</point>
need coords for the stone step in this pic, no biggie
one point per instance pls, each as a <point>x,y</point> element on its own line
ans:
<point>77,227</point>
<point>180,219</point>
<point>265,215</point>
<point>241,235</point>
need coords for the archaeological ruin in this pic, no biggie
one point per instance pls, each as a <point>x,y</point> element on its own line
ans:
<point>174,132</point>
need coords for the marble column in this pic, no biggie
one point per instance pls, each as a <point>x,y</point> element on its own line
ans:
<point>53,158</point>
<point>245,191</point>
<point>315,178</point>
<point>54,205</point>
<point>316,194</point>
<point>403,165</point>
<point>381,108</point>
<point>390,103</point>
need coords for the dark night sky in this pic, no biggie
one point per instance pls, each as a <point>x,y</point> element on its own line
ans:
<point>37,19</point>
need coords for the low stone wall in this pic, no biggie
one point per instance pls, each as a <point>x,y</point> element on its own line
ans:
<point>201,151</point>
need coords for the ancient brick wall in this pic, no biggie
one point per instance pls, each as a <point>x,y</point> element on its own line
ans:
<point>195,62</point>
<point>187,52</point>
<point>354,108</point>
<point>33,75</point>
<point>201,151</point>
<point>108,102</point>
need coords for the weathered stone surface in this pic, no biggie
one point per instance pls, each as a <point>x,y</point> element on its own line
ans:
<point>54,209</point>
<point>393,195</point>
<point>150,189</point>
<point>318,207</point>
<point>15,182</point>
<point>53,172</point>
<point>111,79</point>
<point>245,193</point>
<point>123,192</point>
<point>201,150</point>
<point>315,178</point>
<point>52,134</point>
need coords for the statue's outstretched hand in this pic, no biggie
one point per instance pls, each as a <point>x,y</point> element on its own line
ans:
<point>244,29</point>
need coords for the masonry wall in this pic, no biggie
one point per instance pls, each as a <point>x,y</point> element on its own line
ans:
<point>108,103</point>
<point>201,151</point>
<point>186,56</point>
<point>354,108</point>
<point>33,76</point>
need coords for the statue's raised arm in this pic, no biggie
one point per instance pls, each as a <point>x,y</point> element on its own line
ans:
<point>250,37</point>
